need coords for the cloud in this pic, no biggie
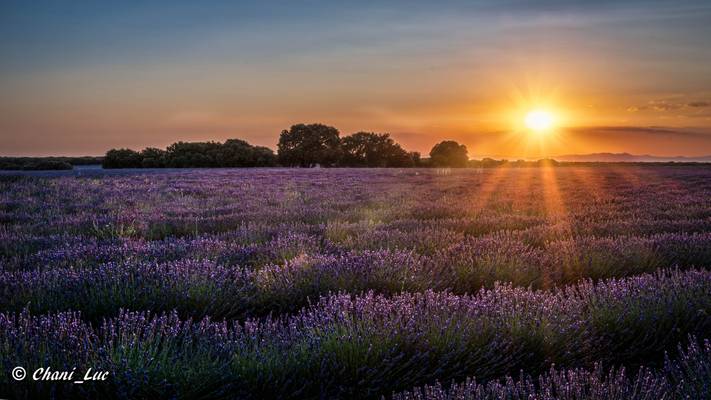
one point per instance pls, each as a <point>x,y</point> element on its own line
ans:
<point>645,130</point>
<point>665,105</point>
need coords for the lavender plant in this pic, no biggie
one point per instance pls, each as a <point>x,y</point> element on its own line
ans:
<point>344,283</point>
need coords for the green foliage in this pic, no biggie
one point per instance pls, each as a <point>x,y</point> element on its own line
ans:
<point>232,153</point>
<point>122,158</point>
<point>193,154</point>
<point>238,153</point>
<point>368,149</point>
<point>45,163</point>
<point>449,154</point>
<point>153,158</point>
<point>308,145</point>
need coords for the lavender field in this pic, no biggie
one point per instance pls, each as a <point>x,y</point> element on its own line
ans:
<point>502,283</point>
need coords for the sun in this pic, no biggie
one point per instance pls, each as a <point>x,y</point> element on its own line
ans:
<point>539,120</point>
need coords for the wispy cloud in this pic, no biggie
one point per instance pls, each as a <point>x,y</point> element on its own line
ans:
<point>644,130</point>
<point>679,103</point>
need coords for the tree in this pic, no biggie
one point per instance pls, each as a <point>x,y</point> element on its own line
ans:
<point>308,145</point>
<point>416,158</point>
<point>152,158</point>
<point>232,153</point>
<point>368,149</point>
<point>449,154</point>
<point>193,154</point>
<point>263,157</point>
<point>122,158</point>
<point>42,165</point>
<point>238,153</point>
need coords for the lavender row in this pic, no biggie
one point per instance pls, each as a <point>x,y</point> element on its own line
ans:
<point>686,377</point>
<point>30,249</point>
<point>585,201</point>
<point>198,288</point>
<point>257,245</point>
<point>200,277</point>
<point>369,345</point>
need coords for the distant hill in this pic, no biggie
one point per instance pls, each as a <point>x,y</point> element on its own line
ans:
<point>626,157</point>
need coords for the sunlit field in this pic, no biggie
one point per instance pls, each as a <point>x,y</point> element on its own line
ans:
<point>520,283</point>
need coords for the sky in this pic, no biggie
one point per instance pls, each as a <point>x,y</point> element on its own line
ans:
<point>78,78</point>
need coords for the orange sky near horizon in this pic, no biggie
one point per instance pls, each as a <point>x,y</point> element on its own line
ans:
<point>620,77</point>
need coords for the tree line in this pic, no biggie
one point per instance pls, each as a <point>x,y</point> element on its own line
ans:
<point>231,153</point>
<point>45,163</point>
<point>303,145</point>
